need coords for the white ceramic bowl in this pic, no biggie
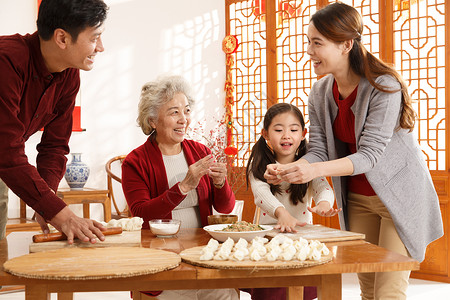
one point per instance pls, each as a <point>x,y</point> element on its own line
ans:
<point>216,232</point>
<point>164,227</point>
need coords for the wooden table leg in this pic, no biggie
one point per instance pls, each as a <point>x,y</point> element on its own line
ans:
<point>107,210</point>
<point>86,210</point>
<point>65,296</point>
<point>23,210</point>
<point>36,292</point>
<point>137,295</point>
<point>330,287</point>
<point>294,293</point>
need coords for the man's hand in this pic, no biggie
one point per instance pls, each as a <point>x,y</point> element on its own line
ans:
<point>72,226</point>
<point>42,223</point>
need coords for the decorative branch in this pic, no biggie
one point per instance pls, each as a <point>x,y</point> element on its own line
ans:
<point>216,139</point>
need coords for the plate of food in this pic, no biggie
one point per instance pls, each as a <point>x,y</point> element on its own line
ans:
<point>235,231</point>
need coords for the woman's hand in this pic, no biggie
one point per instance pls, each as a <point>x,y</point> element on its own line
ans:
<point>302,171</point>
<point>286,222</point>
<point>324,209</point>
<point>195,172</point>
<point>271,174</point>
<point>298,172</point>
<point>218,173</point>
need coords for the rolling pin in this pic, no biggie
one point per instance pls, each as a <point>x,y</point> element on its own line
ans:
<point>58,236</point>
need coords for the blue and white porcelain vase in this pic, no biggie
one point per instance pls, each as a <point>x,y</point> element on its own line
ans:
<point>77,172</point>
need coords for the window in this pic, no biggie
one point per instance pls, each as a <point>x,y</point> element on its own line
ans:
<point>271,64</point>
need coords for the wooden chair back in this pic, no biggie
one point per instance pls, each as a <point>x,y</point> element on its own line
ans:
<point>110,177</point>
<point>257,214</point>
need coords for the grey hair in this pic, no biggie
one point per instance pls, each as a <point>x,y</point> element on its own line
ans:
<point>155,94</point>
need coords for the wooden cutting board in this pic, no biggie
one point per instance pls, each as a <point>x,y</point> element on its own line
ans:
<point>320,233</point>
<point>92,263</point>
<point>192,256</point>
<point>125,239</point>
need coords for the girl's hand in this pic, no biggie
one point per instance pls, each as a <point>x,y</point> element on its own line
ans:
<point>195,172</point>
<point>324,209</point>
<point>271,174</point>
<point>286,222</point>
<point>218,173</point>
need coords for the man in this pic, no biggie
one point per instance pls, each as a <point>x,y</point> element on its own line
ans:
<point>39,80</point>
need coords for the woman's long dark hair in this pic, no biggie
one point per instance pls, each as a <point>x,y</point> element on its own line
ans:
<point>262,155</point>
<point>340,22</point>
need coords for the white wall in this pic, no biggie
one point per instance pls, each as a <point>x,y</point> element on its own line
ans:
<point>143,39</point>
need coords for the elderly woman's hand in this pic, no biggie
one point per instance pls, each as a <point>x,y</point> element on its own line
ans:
<point>195,172</point>
<point>218,173</point>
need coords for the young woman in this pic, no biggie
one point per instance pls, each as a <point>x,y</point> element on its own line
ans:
<point>361,134</point>
<point>286,205</point>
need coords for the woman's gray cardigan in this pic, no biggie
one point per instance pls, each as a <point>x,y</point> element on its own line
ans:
<point>390,158</point>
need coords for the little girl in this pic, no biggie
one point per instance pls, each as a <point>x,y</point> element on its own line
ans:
<point>286,205</point>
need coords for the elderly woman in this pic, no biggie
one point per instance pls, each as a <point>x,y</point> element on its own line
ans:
<point>169,176</point>
<point>172,177</point>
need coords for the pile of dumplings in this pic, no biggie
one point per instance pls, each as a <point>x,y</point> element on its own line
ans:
<point>281,248</point>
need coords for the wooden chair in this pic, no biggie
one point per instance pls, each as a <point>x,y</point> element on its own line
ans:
<point>110,176</point>
<point>258,214</point>
<point>85,196</point>
<point>237,210</point>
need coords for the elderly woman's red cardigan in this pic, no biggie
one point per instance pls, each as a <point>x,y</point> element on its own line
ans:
<point>144,183</point>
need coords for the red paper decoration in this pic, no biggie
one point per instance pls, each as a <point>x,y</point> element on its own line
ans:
<point>230,150</point>
<point>229,46</point>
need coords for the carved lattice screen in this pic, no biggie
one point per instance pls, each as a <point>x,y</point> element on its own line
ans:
<point>419,54</point>
<point>272,64</point>
<point>249,72</point>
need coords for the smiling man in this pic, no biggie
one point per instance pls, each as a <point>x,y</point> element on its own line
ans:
<point>39,80</point>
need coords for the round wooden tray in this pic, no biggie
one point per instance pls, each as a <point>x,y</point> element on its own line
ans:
<point>92,263</point>
<point>192,256</point>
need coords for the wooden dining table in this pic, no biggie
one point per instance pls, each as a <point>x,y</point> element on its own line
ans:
<point>348,257</point>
